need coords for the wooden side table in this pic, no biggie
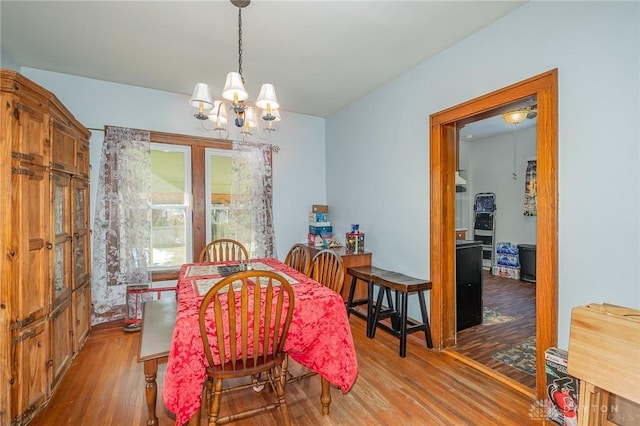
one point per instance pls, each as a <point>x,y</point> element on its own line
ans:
<point>158,321</point>
<point>349,259</point>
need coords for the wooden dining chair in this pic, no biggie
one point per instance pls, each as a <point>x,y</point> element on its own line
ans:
<point>232,320</point>
<point>223,249</point>
<point>299,258</point>
<point>327,269</point>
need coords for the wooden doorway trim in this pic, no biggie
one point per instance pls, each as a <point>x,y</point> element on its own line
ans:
<point>442,239</point>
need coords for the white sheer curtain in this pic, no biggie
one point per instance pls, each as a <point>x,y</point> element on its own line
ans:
<point>122,226</point>
<point>250,210</point>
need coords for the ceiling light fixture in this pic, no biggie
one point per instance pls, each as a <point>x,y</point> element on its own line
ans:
<point>235,98</point>
<point>515,117</point>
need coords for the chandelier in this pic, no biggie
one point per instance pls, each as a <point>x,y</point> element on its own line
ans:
<point>235,99</point>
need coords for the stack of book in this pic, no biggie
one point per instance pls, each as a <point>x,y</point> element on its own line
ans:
<point>320,229</point>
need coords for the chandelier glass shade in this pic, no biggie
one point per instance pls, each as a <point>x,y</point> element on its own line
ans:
<point>235,98</point>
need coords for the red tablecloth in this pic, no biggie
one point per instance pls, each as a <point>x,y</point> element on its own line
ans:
<point>319,338</point>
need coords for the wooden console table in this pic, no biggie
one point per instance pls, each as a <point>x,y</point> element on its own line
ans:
<point>158,321</point>
<point>349,260</point>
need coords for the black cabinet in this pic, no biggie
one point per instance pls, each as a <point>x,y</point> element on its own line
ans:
<point>468,284</point>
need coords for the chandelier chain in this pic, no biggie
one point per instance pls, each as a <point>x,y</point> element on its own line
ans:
<point>240,43</point>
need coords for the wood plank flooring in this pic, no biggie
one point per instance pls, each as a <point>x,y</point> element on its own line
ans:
<point>105,386</point>
<point>509,297</point>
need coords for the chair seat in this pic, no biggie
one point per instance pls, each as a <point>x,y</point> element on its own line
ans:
<point>239,369</point>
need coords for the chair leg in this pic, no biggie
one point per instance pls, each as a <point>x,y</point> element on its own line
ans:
<point>208,391</point>
<point>214,408</point>
<point>280,388</point>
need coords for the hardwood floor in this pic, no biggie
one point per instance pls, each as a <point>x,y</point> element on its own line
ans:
<point>105,386</point>
<point>509,297</point>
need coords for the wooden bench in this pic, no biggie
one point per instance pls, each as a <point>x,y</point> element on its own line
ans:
<point>403,286</point>
<point>365,274</point>
<point>158,321</point>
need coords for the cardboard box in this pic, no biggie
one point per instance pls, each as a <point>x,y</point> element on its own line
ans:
<point>317,217</point>
<point>512,272</point>
<point>562,388</point>
<point>355,242</point>
<point>319,224</point>
<point>314,240</point>
<point>317,230</point>
<point>320,208</point>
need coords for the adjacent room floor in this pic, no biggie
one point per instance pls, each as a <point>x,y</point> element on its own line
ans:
<point>509,328</point>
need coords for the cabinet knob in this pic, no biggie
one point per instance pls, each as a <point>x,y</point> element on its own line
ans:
<point>49,245</point>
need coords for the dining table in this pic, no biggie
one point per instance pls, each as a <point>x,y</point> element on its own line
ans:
<point>319,335</point>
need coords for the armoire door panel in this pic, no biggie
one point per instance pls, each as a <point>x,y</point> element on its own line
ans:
<point>64,152</point>
<point>29,378</point>
<point>82,315</point>
<point>31,129</point>
<point>61,273</point>
<point>29,237</point>
<point>61,346</point>
<point>80,226</point>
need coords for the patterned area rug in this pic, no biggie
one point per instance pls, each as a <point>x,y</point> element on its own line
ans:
<point>521,356</point>
<point>490,316</point>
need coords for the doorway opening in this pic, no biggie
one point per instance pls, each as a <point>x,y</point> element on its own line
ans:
<point>495,220</point>
<point>443,157</point>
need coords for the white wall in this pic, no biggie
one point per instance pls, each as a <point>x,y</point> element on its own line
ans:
<point>489,168</point>
<point>378,166</point>
<point>299,181</point>
<point>7,62</point>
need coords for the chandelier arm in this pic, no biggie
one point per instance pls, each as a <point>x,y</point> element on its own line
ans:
<point>264,133</point>
<point>226,130</point>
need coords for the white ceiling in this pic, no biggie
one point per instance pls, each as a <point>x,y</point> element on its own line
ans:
<point>320,55</point>
<point>492,126</point>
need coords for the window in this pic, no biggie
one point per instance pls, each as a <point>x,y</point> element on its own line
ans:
<point>171,229</point>
<point>191,187</point>
<point>218,188</point>
<point>191,200</point>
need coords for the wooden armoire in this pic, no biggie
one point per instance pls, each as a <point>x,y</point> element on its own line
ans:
<point>45,263</point>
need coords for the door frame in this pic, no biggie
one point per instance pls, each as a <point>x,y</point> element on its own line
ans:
<point>443,152</point>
